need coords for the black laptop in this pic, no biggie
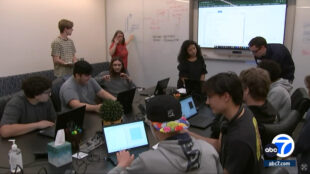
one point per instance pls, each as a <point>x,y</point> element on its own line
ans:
<point>126,99</point>
<point>203,119</point>
<point>72,118</point>
<point>160,89</point>
<point>194,89</point>
<point>127,136</point>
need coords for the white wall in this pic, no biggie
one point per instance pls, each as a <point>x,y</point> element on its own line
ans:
<point>27,28</point>
<point>301,43</point>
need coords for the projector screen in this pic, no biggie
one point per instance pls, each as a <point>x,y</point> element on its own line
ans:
<point>231,24</point>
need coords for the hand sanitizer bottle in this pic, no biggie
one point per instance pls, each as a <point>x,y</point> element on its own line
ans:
<point>15,158</point>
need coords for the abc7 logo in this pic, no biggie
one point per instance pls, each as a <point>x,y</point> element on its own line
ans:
<point>285,145</point>
<point>271,150</point>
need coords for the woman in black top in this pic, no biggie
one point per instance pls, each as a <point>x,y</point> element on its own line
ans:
<point>191,63</point>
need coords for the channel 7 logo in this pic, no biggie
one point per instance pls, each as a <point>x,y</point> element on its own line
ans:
<point>282,146</point>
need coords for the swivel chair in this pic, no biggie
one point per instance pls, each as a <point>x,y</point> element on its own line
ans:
<point>300,101</point>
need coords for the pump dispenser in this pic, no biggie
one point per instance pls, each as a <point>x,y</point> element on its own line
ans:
<point>15,158</point>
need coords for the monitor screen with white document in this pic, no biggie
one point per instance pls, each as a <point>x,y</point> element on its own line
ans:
<point>129,136</point>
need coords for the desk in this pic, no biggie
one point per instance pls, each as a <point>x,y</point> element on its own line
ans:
<point>32,142</point>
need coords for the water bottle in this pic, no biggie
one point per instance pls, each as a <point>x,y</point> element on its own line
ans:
<point>15,158</point>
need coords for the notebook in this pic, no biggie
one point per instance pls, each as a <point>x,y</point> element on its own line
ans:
<point>201,120</point>
<point>126,98</point>
<point>127,136</point>
<point>72,118</point>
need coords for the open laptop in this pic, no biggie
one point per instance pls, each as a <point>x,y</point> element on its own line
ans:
<point>126,99</point>
<point>203,119</point>
<point>194,89</point>
<point>160,89</point>
<point>127,136</point>
<point>72,118</point>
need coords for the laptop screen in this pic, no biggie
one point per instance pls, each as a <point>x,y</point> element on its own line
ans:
<point>125,136</point>
<point>126,99</point>
<point>161,87</point>
<point>188,107</point>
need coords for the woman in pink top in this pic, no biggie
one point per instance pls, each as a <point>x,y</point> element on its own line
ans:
<point>118,46</point>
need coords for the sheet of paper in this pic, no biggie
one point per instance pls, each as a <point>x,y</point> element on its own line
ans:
<point>155,146</point>
<point>79,155</point>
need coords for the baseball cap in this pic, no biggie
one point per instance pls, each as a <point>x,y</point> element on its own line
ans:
<point>164,111</point>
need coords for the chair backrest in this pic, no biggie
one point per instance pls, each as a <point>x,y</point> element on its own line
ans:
<point>300,101</point>
<point>287,125</point>
<point>56,84</point>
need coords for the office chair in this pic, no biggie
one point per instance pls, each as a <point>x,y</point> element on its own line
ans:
<point>56,84</point>
<point>300,101</point>
<point>287,125</point>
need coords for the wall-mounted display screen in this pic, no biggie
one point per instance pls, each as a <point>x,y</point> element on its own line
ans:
<point>231,24</point>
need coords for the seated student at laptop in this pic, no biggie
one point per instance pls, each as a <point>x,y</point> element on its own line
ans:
<point>30,110</point>
<point>191,63</point>
<point>239,142</point>
<point>81,89</point>
<point>177,152</point>
<point>255,84</point>
<point>116,80</point>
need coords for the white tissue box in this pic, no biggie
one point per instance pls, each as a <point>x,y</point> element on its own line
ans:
<point>59,155</point>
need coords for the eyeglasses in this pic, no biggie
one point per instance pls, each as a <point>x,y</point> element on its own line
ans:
<point>255,51</point>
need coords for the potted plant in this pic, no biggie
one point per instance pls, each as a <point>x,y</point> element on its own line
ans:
<point>111,112</point>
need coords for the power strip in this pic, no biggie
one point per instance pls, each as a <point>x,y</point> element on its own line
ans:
<point>91,144</point>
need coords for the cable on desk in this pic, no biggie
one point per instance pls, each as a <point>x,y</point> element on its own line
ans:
<point>18,167</point>
<point>42,168</point>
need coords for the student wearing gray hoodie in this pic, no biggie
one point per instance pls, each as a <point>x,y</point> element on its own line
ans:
<point>177,152</point>
<point>279,92</point>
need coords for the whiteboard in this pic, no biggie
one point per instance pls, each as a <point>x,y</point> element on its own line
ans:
<point>159,27</point>
<point>301,42</point>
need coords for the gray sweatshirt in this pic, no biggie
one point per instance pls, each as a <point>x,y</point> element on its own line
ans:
<point>169,158</point>
<point>279,96</point>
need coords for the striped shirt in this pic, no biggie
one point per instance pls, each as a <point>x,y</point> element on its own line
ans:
<point>65,49</point>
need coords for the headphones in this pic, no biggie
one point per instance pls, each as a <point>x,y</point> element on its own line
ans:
<point>225,123</point>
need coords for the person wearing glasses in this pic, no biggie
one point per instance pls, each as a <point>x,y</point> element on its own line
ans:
<point>276,52</point>
<point>29,110</point>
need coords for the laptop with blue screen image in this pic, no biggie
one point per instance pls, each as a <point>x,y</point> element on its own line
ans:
<point>127,136</point>
<point>203,119</point>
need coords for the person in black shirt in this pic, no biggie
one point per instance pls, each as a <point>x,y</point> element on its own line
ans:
<point>255,83</point>
<point>191,63</point>
<point>239,142</point>
<point>277,52</point>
